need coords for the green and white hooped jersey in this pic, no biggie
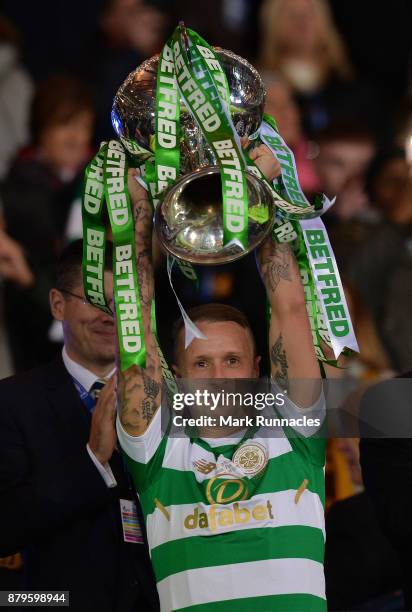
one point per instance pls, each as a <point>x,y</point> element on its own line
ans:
<point>224,538</point>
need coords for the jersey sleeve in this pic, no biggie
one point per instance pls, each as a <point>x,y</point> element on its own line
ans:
<point>144,454</point>
<point>306,428</point>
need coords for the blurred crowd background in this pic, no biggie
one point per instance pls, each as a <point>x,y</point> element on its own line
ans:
<point>339,83</point>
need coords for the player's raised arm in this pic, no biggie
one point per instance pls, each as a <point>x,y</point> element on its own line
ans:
<point>140,388</point>
<point>292,356</point>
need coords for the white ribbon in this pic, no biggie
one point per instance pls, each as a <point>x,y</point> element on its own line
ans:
<point>191,331</point>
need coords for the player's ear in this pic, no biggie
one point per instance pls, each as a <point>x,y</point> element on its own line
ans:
<point>176,371</point>
<point>57,304</point>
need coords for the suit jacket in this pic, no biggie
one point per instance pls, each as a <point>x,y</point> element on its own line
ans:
<point>387,464</point>
<point>56,507</point>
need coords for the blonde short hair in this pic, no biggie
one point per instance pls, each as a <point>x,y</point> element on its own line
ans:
<point>333,49</point>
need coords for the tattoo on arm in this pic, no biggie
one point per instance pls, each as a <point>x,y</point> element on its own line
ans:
<point>149,403</point>
<point>142,215</point>
<point>277,267</point>
<point>279,360</point>
<point>140,396</point>
<point>145,277</point>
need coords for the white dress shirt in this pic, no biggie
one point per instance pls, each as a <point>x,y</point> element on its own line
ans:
<point>87,380</point>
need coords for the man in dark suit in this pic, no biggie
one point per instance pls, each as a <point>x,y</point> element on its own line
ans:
<point>386,460</point>
<point>61,477</point>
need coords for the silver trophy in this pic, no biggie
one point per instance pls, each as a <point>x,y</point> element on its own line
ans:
<point>189,218</point>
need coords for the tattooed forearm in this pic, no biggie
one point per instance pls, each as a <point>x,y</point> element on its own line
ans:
<point>142,214</point>
<point>276,266</point>
<point>143,221</point>
<point>145,277</point>
<point>150,402</point>
<point>279,360</point>
<point>140,398</point>
<point>148,409</point>
<point>150,386</point>
<point>140,391</point>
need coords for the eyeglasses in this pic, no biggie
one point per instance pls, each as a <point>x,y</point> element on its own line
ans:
<point>80,297</point>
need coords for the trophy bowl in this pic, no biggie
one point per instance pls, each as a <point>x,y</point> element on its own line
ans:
<point>189,220</point>
<point>189,217</point>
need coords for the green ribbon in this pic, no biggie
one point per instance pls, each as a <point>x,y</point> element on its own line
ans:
<point>94,231</point>
<point>167,121</point>
<point>138,152</point>
<point>202,85</point>
<point>106,181</point>
<point>318,326</point>
<point>125,281</point>
<point>167,137</point>
<point>162,170</point>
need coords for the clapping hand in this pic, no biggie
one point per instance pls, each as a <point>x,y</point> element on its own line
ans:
<point>103,438</point>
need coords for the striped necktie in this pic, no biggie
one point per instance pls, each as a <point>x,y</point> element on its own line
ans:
<point>96,389</point>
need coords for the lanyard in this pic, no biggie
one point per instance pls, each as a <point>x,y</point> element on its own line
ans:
<point>84,395</point>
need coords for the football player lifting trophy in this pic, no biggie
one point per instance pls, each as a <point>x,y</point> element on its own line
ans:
<point>189,120</point>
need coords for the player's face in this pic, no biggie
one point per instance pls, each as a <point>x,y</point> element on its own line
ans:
<point>228,352</point>
<point>89,333</point>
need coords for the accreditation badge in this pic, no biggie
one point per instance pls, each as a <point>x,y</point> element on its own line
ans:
<point>251,458</point>
<point>130,522</point>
